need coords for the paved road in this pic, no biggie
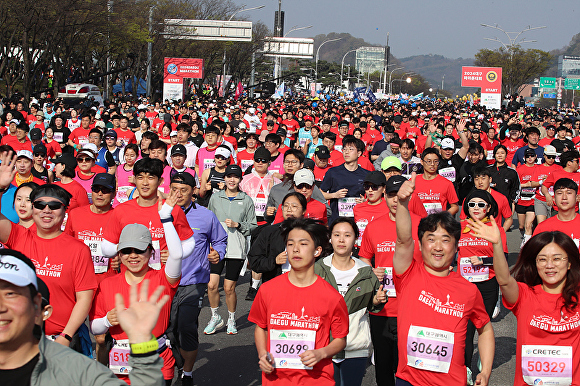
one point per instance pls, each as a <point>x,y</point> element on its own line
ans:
<point>232,359</point>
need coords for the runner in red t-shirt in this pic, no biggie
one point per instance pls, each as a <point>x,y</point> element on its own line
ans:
<point>80,136</point>
<point>549,165</point>
<point>374,206</point>
<point>304,183</point>
<point>529,184</point>
<point>435,191</point>
<point>299,310</point>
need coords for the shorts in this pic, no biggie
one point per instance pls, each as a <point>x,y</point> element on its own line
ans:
<point>541,208</point>
<point>520,209</point>
<point>185,308</point>
<point>233,268</point>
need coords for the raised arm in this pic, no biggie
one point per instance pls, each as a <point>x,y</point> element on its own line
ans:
<point>463,138</point>
<point>404,246</point>
<point>7,173</point>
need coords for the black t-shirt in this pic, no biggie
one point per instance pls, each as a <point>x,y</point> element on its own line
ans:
<point>21,375</point>
<point>197,140</point>
<point>561,144</point>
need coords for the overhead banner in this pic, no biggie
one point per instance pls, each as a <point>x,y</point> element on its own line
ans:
<point>486,78</point>
<point>175,70</point>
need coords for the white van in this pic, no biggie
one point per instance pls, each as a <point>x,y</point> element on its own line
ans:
<point>81,91</point>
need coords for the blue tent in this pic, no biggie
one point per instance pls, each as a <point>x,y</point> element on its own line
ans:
<point>141,86</point>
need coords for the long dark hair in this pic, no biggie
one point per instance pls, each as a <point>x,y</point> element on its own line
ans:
<point>525,270</point>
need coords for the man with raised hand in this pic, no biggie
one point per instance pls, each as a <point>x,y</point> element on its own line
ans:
<point>435,303</point>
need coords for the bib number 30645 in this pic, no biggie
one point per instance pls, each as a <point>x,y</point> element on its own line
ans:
<point>429,349</point>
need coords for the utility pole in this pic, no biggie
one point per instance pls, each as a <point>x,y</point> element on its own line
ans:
<point>149,51</point>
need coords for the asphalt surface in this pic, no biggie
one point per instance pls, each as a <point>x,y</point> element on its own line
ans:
<point>232,359</point>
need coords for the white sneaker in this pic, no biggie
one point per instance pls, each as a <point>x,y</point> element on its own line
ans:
<point>215,322</point>
<point>497,308</point>
<point>232,329</point>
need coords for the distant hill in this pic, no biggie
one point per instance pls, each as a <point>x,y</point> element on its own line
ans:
<point>573,48</point>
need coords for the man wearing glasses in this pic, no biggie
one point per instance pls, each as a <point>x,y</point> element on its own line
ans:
<point>435,191</point>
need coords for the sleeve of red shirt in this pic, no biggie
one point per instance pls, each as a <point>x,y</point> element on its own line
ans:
<point>549,181</point>
<point>68,227</point>
<point>453,199</point>
<point>180,222</point>
<point>339,322</point>
<point>258,311</point>
<point>16,232</point>
<point>113,228</point>
<point>279,217</point>
<point>366,248</point>
<point>523,294</point>
<point>98,309</point>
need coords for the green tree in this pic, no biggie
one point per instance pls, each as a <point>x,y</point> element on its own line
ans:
<point>519,66</point>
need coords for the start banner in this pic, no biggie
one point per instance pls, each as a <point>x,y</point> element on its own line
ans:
<point>486,78</point>
<point>177,69</point>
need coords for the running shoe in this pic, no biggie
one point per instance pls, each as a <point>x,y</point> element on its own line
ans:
<point>231,330</point>
<point>215,322</point>
<point>469,377</point>
<point>186,381</point>
<point>497,308</point>
<point>251,295</point>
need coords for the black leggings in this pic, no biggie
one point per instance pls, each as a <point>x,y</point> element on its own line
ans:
<point>489,290</point>
<point>384,337</point>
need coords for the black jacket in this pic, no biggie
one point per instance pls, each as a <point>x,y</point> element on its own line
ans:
<point>464,180</point>
<point>263,252</point>
<point>506,181</point>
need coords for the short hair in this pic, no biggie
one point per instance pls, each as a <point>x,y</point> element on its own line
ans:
<point>296,153</point>
<point>443,219</point>
<point>407,141</point>
<point>566,183</point>
<point>51,190</point>
<point>352,140</point>
<point>347,220</point>
<point>299,196</point>
<point>221,125</point>
<point>134,147</point>
<point>85,115</point>
<point>568,156</point>
<point>97,131</point>
<point>158,144</point>
<point>475,147</point>
<point>274,138</point>
<point>213,129</point>
<point>148,165</point>
<point>430,150</point>
<point>184,127</point>
<point>317,231</point>
<point>532,130</point>
<point>330,135</point>
<point>150,135</point>
<point>481,171</point>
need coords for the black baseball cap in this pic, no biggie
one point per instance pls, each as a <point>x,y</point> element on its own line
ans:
<point>233,169</point>
<point>394,183</point>
<point>376,177</point>
<point>281,132</point>
<point>183,178</point>
<point>39,149</point>
<point>104,179</point>
<point>529,152</point>
<point>66,159</point>
<point>262,153</point>
<point>308,164</point>
<point>322,152</point>
<point>35,133</point>
<point>178,149</point>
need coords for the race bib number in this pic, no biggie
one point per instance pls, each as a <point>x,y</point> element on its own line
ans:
<point>490,155</point>
<point>429,349</point>
<point>155,259</point>
<point>58,137</point>
<point>260,205</point>
<point>246,163</point>
<point>449,173</point>
<point>287,345</point>
<point>208,163</point>
<point>83,142</point>
<point>389,283</point>
<point>433,207</point>
<point>473,273</point>
<point>123,193</point>
<point>119,357</point>
<point>345,206</point>
<point>547,365</point>
<point>100,262</point>
<point>302,142</point>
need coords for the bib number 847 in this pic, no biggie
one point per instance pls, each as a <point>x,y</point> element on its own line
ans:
<point>290,348</point>
<point>429,349</point>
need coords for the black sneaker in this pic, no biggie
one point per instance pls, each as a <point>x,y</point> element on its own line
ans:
<point>251,295</point>
<point>186,381</point>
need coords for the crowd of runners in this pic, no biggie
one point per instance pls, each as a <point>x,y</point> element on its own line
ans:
<point>373,233</point>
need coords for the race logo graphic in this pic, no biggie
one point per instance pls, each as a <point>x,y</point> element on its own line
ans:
<point>47,269</point>
<point>491,76</point>
<point>172,69</point>
<point>447,308</point>
<point>386,246</point>
<point>290,319</point>
<point>548,323</point>
<point>156,233</point>
<point>430,196</point>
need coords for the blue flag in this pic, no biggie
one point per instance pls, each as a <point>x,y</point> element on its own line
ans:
<point>371,95</point>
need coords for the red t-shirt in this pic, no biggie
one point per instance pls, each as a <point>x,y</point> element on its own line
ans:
<point>292,126</point>
<point>512,148</point>
<point>52,148</point>
<point>526,174</point>
<point>364,213</point>
<point>315,210</point>
<point>542,172</point>
<point>556,175</point>
<point>470,245</point>
<point>79,194</point>
<point>435,194</point>
<point>379,241</point>
<point>88,227</point>
<point>245,159</point>
<point>435,310</point>
<point>336,158</point>
<point>34,179</point>
<point>80,136</point>
<point>131,212</point>
<point>543,321</point>
<point>17,145</point>
<point>568,227</point>
<point>65,274</point>
<point>105,302</point>
<point>319,173</point>
<point>127,136</point>
<point>8,139</point>
<point>281,307</point>
<point>546,141</point>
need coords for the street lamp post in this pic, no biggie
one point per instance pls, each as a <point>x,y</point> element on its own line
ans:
<point>342,65</point>
<point>316,66</point>
<point>278,63</point>
<point>224,59</point>
<point>408,80</point>
<point>390,77</point>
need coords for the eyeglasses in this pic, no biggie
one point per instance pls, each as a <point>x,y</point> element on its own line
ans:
<point>549,156</point>
<point>84,159</point>
<point>372,187</point>
<point>431,162</point>
<point>291,162</point>
<point>303,186</point>
<point>543,261</point>
<point>128,251</point>
<point>575,160</point>
<point>52,205</point>
<point>261,161</point>
<point>480,205</point>
<point>101,189</point>
<point>290,206</point>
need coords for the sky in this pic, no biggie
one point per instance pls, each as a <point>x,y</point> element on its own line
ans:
<point>451,28</point>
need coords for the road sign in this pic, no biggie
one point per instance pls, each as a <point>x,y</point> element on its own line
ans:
<point>237,31</point>
<point>572,83</point>
<point>298,48</point>
<point>550,96</point>
<point>548,82</point>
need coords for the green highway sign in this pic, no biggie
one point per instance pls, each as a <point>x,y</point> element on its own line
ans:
<point>572,83</point>
<point>548,82</point>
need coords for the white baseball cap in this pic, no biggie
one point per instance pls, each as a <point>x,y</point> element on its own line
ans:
<point>304,176</point>
<point>14,269</point>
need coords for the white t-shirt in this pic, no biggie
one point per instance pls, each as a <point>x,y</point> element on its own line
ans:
<point>343,278</point>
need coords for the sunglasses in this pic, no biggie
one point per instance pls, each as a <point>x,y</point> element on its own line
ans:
<point>480,205</point>
<point>101,189</point>
<point>52,205</point>
<point>220,157</point>
<point>549,156</point>
<point>39,155</point>
<point>261,161</point>
<point>531,156</point>
<point>371,186</point>
<point>303,186</point>
<point>128,251</point>
<point>110,138</point>
<point>84,159</point>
